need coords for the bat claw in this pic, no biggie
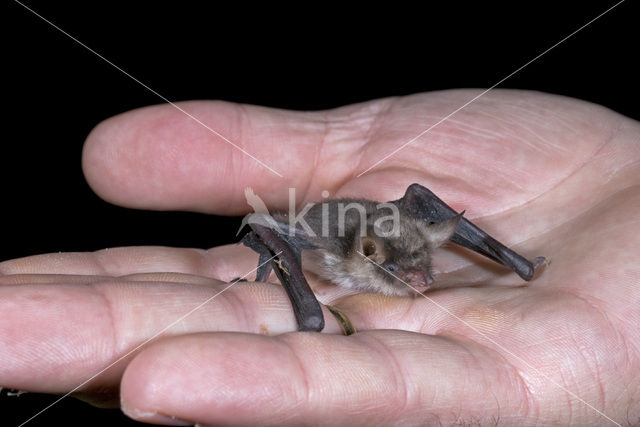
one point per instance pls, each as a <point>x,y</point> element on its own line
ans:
<point>540,261</point>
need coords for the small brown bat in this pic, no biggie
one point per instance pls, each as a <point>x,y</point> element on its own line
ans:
<point>356,245</point>
<point>366,245</point>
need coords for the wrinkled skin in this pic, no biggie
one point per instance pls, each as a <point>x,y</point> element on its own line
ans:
<point>547,175</point>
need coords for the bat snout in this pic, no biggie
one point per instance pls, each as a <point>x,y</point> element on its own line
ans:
<point>417,279</point>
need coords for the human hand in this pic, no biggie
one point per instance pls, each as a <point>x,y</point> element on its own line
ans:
<point>547,175</point>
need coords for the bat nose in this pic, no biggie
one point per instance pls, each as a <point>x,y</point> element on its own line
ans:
<point>419,280</point>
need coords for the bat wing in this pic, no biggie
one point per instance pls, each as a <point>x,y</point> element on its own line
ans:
<point>280,250</point>
<point>423,203</point>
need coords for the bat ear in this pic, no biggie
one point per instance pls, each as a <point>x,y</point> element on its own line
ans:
<point>439,233</point>
<point>371,248</point>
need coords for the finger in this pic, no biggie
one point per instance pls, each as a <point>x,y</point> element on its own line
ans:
<point>148,263</point>
<point>161,158</point>
<point>223,262</point>
<point>378,377</point>
<point>87,327</point>
<point>87,323</point>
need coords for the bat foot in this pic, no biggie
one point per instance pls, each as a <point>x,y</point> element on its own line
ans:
<point>345,324</point>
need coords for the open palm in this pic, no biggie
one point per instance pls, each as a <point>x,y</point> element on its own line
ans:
<point>546,175</point>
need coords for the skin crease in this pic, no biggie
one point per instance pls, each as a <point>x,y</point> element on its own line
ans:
<point>545,174</point>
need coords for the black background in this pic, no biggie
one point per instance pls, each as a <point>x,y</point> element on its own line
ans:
<point>313,57</point>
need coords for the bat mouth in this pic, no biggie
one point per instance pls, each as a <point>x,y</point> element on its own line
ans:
<point>418,280</point>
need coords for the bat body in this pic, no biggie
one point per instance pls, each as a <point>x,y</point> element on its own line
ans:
<point>370,246</point>
<point>367,245</point>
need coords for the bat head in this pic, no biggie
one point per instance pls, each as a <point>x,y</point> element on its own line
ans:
<point>397,264</point>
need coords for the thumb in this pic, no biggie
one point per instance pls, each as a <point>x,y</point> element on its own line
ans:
<point>200,155</point>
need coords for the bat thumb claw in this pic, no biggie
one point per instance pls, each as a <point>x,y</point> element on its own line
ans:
<point>538,265</point>
<point>540,261</point>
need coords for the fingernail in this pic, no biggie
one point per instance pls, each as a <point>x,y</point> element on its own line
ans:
<point>154,417</point>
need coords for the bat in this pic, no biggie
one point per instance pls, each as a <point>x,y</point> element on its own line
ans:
<point>368,246</point>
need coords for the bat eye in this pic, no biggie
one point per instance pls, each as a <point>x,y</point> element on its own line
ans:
<point>392,268</point>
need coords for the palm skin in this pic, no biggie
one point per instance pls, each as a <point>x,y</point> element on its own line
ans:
<point>546,175</point>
